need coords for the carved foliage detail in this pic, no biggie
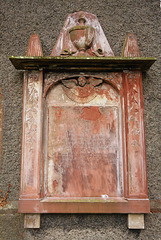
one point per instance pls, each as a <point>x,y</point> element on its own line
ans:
<point>133,109</point>
<point>135,141</point>
<point>31,125</point>
<point>31,109</point>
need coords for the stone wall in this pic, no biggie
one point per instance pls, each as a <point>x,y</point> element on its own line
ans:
<point>19,19</point>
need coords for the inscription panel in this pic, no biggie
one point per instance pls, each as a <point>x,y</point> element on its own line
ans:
<point>84,149</point>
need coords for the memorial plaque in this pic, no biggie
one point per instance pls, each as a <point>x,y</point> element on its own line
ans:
<point>84,152</point>
<point>83,143</point>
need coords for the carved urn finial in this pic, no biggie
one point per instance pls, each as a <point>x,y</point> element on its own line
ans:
<point>82,36</point>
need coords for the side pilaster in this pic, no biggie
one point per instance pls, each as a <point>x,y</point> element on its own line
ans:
<point>31,134</point>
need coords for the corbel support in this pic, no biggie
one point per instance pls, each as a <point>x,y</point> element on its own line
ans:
<point>136,221</point>
<point>31,220</point>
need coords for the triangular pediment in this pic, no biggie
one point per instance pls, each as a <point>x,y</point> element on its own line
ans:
<point>82,34</point>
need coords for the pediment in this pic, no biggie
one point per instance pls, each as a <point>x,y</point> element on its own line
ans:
<point>99,45</point>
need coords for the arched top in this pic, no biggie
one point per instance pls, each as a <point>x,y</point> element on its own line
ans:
<point>79,80</point>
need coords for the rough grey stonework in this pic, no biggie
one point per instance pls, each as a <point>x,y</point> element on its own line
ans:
<point>19,19</point>
<point>79,227</point>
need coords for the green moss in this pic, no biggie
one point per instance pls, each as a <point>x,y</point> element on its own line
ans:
<point>82,63</point>
<point>83,57</point>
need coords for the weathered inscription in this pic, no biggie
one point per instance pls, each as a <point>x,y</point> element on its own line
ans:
<point>83,151</point>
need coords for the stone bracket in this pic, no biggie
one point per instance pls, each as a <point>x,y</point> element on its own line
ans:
<point>136,221</point>
<point>31,220</point>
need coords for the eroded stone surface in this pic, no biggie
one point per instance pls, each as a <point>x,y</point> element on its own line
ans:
<point>82,35</point>
<point>84,155</point>
<point>136,221</point>
<point>31,220</point>
<point>137,16</point>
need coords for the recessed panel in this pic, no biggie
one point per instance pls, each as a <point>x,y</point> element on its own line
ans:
<point>84,150</point>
